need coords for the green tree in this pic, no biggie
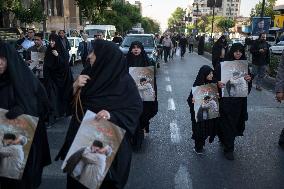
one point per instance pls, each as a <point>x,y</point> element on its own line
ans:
<point>7,7</point>
<point>93,10</point>
<point>150,25</point>
<point>268,9</point>
<point>177,19</point>
<point>32,14</point>
<point>225,23</point>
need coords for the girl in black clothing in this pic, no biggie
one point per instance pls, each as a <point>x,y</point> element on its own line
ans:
<point>206,128</point>
<point>57,76</point>
<point>219,51</point>
<point>137,57</point>
<point>233,110</point>
<point>22,93</point>
<point>106,88</point>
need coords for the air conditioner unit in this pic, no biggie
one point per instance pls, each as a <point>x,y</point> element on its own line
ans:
<point>49,12</point>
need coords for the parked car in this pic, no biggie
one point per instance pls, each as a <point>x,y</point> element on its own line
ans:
<point>148,42</point>
<point>271,40</point>
<point>74,44</point>
<point>277,48</point>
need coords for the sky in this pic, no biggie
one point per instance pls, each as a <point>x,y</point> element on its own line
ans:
<point>161,10</point>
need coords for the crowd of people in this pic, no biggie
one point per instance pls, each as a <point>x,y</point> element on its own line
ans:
<point>106,88</point>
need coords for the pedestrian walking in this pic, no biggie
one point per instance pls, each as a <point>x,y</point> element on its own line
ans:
<point>233,110</point>
<point>279,88</point>
<point>207,128</point>
<point>21,93</point>
<point>260,59</point>
<point>190,43</point>
<point>57,77</point>
<point>84,48</point>
<point>167,45</point>
<point>137,57</point>
<point>219,51</point>
<point>201,42</point>
<point>182,45</point>
<point>106,88</point>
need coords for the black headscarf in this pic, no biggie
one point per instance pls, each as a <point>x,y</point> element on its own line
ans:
<point>235,47</point>
<point>30,94</point>
<point>220,40</point>
<point>204,71</point>
<point>140,60</point>
<point>111,87</point>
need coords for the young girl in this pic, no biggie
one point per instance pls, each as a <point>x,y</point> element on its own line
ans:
<point>233,110</point>
<point>137,57</point>
<point>205,128</point>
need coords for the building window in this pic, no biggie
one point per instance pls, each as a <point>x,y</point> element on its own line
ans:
<point>59,8</point>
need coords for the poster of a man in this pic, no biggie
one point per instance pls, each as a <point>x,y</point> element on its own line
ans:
<point>206,104</point>
<point>232,74</point>
<point>16,137</point>
<point>93,151</point>
<point>144,78</point>
<point>260,25</point>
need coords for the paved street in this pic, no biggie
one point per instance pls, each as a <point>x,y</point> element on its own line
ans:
<point>167,160</point>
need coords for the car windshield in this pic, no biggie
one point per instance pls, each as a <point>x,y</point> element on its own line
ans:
<point>92,32</point>
<point>270,39</point>
<point>147,41</point>
<point>281,43</point>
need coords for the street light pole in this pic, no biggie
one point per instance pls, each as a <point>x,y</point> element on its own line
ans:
<point>212,26</point>
<point>262,8</point>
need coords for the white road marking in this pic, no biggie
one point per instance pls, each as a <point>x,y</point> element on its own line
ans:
<point>169,88</point>
<point>171,104</point>
<point>182,178</point>
<point>175,134</point>
<point>167,79</point>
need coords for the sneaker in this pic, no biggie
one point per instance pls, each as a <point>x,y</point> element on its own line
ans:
<point>229,156</point>
<point>198,151</point>
<point>258,88</point>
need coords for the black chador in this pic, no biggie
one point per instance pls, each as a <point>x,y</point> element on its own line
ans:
<point>57,76</point>
<point>150,108</point>
<point>21,93</point>
<point>206,128</point>
<point>110,88</point>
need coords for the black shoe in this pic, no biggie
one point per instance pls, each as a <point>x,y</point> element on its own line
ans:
<point>229,156</point>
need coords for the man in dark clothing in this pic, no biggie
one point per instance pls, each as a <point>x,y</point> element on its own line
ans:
<point>117,38</point>
<point>260,59</point>
<point>182,45</point>
<point>84,49</point>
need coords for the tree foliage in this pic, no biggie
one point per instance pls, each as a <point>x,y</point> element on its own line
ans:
<point>32,14</point>
<point>177,19</point>
<point>93,10</point>
<point>225,23</point>
<point>9,5</point>
<point>268,9</point>
<point>150,25</point>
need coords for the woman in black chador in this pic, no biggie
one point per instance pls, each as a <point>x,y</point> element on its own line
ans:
<point>137,57</point>
<point>233,110</point>
<point>201,43</point>
<point>57,76</point>
<point>106,88</point>
<point>21,93</point>
<point>204,128</point>
<point>219,51</point>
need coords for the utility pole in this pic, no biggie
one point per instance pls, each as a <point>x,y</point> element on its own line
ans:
<point>262,9</point>
<point>212,26</point>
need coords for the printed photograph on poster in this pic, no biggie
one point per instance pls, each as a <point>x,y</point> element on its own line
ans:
<point>92,151</point>
<point>144,78</point>
<point>16,139</point>
<point>260,25</point>
<point>36,58</point>
<point>206,104</point>
<point>232,75</point>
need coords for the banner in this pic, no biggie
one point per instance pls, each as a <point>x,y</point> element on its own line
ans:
<point>16,139</point>
<point>260,25</point>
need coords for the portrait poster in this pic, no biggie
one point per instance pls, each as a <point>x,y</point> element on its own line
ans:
<point>144,79</point>
<point>232,75</point>
<point>206,104</point>
<point>36,58</point>
<point>16,139</point>
<point>93,150</point>
<point>260,25</point>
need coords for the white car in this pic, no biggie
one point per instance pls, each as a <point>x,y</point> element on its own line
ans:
<point>277,48</point>
<point>74,44</point>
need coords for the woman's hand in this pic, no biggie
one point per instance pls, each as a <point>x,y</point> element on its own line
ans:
<point>247,78</point>
<point>103,114</point>
<point>220,84</point>
<point>54,52</point>
<point>81,81</point>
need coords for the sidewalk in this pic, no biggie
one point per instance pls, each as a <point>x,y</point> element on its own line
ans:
<point>268,82</point>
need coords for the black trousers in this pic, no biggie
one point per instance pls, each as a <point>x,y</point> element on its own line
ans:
<point>182,51</point>
<point>190,47</point>
<point>167,51</point>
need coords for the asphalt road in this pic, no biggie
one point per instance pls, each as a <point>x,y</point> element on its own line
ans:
<point>167,160</point>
